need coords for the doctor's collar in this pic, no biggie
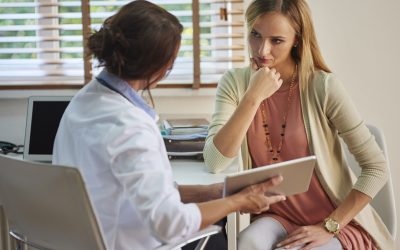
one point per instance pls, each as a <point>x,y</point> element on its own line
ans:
<point>123,88</point>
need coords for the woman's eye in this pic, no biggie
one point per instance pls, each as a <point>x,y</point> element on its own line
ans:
<point>255,34</point>
<point>277,41</point>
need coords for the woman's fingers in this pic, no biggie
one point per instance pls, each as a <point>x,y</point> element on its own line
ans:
<point>263,81</point>
<point>306,236</point>
<point>278,76</point>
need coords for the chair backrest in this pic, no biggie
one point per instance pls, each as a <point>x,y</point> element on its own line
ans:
<point>48,205</point>
<point>383,202</point>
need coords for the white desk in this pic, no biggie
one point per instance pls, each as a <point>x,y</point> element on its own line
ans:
<point>195,172</point>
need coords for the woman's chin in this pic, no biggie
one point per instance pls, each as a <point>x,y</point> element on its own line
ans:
<point>265,63</point>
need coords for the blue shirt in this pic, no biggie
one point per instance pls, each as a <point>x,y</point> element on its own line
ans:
<point>120,86</point>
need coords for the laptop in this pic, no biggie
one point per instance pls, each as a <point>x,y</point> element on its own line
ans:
<point>43,117</point>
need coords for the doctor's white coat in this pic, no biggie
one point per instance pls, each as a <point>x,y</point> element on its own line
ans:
<point>122,157</point>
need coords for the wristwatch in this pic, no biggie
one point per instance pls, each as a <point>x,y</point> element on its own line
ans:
<point>331,225</point>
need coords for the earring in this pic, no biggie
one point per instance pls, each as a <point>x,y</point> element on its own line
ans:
<point>295,45</point>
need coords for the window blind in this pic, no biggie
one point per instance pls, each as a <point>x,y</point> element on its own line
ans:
<point>41,41</point>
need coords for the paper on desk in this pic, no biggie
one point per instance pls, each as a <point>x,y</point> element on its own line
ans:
<point>185,136</point>
<point>185,153</point>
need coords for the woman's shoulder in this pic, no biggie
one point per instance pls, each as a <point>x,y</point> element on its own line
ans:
<point>322,81</point>
<point>321,76</point>
<point>99,103</point>
<point>327,87</point>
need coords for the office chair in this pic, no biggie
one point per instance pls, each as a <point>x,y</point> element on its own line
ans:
<point>48,207</point>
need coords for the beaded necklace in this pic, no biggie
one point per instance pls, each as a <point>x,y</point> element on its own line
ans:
<point>276,153</point>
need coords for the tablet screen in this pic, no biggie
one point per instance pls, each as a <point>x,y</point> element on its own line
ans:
<point>296,175</point>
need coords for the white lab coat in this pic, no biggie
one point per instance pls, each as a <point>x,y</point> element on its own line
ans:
<point>123,160</point>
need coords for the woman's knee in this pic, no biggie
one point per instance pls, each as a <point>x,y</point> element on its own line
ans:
<point>262,234</point>
<point>253,240</point>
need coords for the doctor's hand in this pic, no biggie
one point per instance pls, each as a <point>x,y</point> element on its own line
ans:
<point>256,199</point>
<point>263,82</point>
<point>215,191</point>
<point>308,237</point>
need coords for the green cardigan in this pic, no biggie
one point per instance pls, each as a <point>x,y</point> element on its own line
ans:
<point>328,113</point>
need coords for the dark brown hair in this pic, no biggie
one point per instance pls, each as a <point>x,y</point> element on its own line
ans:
<point>138,42</point>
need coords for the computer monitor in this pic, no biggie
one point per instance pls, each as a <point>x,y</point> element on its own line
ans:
<point>43,117</point>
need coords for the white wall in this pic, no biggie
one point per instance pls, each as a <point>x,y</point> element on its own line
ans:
<point>360,40</point>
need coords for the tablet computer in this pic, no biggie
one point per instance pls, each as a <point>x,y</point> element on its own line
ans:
<point>296,175</point>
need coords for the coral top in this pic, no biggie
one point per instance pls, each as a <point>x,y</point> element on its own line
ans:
<point>313,206</point>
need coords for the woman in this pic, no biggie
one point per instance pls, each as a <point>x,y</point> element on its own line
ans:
<point>111,134</point>
<point>285,105</point>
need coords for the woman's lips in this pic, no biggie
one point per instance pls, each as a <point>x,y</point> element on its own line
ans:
<point>264,61</point>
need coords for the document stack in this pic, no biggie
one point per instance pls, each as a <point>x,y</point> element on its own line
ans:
<point>185,138</point>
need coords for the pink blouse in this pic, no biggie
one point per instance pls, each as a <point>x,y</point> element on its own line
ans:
<point>313,206</point>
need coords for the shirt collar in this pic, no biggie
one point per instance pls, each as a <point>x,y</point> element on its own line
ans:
<point>120,86</point>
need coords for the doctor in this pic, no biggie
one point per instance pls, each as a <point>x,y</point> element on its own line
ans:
<point>111,135</point>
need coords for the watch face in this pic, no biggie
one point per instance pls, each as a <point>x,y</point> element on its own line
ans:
<point>331,225</point>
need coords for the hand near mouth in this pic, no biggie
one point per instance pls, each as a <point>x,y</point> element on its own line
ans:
<point>263,81</point>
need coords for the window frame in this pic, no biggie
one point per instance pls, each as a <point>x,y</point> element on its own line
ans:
<point>87,61</point>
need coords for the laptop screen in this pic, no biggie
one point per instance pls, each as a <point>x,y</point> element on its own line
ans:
<point>43,117</point>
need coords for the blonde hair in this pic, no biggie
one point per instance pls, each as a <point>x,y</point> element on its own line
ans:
<point>307,53</point>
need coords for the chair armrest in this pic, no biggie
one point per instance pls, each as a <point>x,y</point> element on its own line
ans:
<point>206,232</point>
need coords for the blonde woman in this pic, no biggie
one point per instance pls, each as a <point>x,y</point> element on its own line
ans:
<point>287,104</point>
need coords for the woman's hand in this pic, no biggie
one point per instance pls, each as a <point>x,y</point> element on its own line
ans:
<point>263,82</point>
<point>256,198</point>
<point>309,236</point>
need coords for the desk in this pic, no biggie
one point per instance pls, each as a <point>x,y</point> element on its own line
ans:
<point>191,172</point>
<point>187,172</point>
